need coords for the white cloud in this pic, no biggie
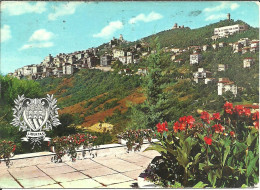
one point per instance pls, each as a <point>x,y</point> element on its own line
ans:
<point>216,17</point>
<point>41,35</point>
<point>39,39</point>
<point>142,17</point>
<point>68,8</point>
<point>37,45</point>
<point>222,6</point>
<point>109,30</point>
<point>5,33</point>
<point>234,6</point>
<point>15,8</point>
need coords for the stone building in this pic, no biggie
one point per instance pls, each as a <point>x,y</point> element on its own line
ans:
<point>248,62</point>
<point>224,85</point>
<point>105,60</point>
<point>225,31</point>
<point>68,69</point>
<point>195,58</point>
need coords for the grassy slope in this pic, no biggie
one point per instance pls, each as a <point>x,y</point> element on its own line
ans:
<point>93,95</point>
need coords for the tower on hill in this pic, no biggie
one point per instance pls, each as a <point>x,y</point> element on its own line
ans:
<point>121,37</point>
<point>228,16</point>
<point>175,26</point>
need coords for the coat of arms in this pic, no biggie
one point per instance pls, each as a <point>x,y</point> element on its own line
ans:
<point>35,116</point>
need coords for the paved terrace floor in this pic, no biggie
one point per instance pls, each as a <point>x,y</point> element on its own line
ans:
<point>118,171</point>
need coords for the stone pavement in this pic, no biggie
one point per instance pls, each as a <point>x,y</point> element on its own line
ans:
<point>119,171</point>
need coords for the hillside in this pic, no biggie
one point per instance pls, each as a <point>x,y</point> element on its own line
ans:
<point>185,37</point>
<point>182,38</point>
<point>90,96</point>
<point>93,95</point>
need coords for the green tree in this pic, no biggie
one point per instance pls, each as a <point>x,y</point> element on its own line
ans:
<point>150,112</point>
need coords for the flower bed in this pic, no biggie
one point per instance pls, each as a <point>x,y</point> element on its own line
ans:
<point>7,149</point>
<point>219,151</point>
<point>135,138</point>
<point>68,145</point>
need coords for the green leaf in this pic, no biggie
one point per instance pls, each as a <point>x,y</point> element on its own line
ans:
<point>212,178</point>
<point>254,130</point>
<point>219,173</point>
<point>182,157</point>
<point>200,137</point>
<point>173,152</point>
<point>249,140</point>
<point>187,166</point>
<point>196,158</point>
<point>229,160</point>
<point>227,150</point>
<point>201,166</point>
<point>251,166</point>
<point>200,185</point>
<point>156,147</point>
<point>227,142</point>
<point>240,147</point>
<point>177,185</point>
<point>244,186</point>
<point>165,135</point>
<point>241,170</point>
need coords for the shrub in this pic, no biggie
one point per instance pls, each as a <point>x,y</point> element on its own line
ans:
<point>220,151</point>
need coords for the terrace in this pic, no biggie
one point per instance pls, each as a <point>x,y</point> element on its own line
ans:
<point>112,167</point>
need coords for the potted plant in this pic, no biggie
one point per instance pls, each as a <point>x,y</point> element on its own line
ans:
<point>69,145</point>
<point>7,149</point>
<point>135,138</point>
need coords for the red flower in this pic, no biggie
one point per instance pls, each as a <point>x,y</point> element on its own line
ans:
<point>228,107</point>
<point>14,147</point>
<point>183,126</point>
<point>176,126</point>
<point>256,123</point>
<point>215,117</point>
<point>182,119</point>
<point>183,123</point>
<point>247,112</point>
<point>255,116</point>
<point>162,127</point>
<point>208,140</point>
<point>232,133</point>
<point>218,128</point>
<point>239,109</point>
<point>190,120</point>
<point>205,117</point>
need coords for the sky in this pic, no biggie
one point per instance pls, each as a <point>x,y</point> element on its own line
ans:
<point>32,30</point>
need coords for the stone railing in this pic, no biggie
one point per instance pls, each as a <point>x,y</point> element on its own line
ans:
<point>29,159</point>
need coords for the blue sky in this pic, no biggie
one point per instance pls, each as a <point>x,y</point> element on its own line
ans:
<point>32,30</point>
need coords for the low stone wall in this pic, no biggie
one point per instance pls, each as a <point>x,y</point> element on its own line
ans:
<point>30,159</point>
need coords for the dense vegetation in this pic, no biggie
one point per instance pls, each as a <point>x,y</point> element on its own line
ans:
<point>87,84</point>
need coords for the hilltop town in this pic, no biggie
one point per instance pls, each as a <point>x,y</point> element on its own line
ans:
<point>95,58</point>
